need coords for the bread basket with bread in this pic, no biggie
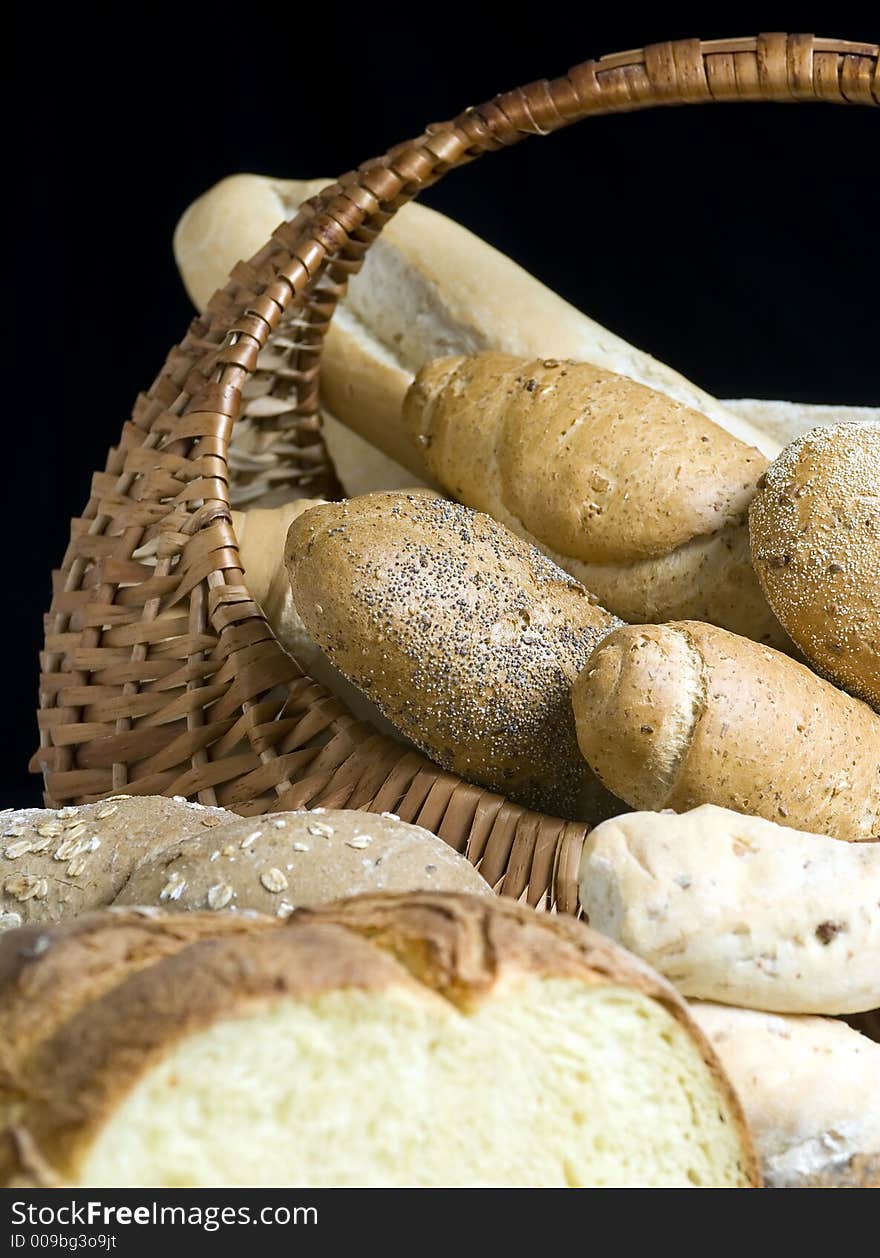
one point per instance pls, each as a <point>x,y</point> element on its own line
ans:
<point>161,673</point>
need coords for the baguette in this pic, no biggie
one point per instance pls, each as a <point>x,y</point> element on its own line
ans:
<point>815,538</point>
<point>811,1091</point>
<point>673,716</point>
<point>639,497</point>
<point>467,638</point>
<point>428,288</point>
<point>318,1052</point>
<point>740,910</point>
<point>782,422</point>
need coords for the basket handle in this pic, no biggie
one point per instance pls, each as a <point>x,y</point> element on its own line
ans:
<point>306,266</point>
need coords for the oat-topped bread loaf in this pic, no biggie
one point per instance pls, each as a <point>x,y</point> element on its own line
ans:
<point>320,1050</point>
<point>466,637</point>
<point>282,861</point>
<point>815,533</point>
<point>641,498</point>
<point>55,863</point>
<point>811,1092</point>
<point>154,851</point>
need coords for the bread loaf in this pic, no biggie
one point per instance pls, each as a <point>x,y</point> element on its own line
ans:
<point>282,861</point>
<point>428,288</point>
<point>57,863</point>
<point>672,716</point>
<point>467,638</point>
<point>739,910</point>
<point>815,535</point>
<point>49,973</point>
<point>154,851</point>
<point>811,1091</point>
<point>641,498</point>
<point>318,1052</point>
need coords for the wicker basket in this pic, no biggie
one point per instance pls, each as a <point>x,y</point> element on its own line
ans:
<point>160,673</point>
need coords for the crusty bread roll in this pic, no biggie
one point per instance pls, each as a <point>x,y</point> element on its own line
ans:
<point>811,1091</point>
<point>672,716</point>
<point>283,861</point>
<point>319,1051</point>
<point>738,909</point>
<point>815,535</point>
<point>641,498</point>
<point>155,851</point>
<point>466,637</point>
<point>428,288</point>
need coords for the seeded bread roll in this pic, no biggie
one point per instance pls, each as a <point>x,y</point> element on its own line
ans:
<point>283,861</point>
<point>318,1052</point>
<point>811,1091</point>
<point>672,716</point>
<point>467,638</point>
<point>641,498</point>
<point>815,534</point>
<point>739,910</point>
<point>261,534</point>
<point>56,863</point>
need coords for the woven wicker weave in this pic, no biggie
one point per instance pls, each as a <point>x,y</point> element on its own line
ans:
<point>160,674</point>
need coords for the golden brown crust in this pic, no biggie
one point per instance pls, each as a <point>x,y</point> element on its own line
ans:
<point>815,535</point>
<point>466,637</point>
<point>640,498</point>
<point>433,945</point>
<point>47,973</point>
<point>594,465</point>
<point>760,733</point>
<point>55,863</point>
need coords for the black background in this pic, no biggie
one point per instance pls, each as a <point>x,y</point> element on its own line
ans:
<point>738,243</point>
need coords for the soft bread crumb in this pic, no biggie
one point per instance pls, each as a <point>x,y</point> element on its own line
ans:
<point>551,1083</point>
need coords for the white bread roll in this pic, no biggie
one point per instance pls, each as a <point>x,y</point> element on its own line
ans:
<point>672,716</point>
<point>428,288</point>
<point>739,910</point>
<point>318,1052</point>
<point>811,1091</point>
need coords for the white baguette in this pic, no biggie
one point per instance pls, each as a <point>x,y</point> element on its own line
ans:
<point>429,288</point>
<point>740,910</point>
<point>811,1091</point>
<point>784,421</point>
